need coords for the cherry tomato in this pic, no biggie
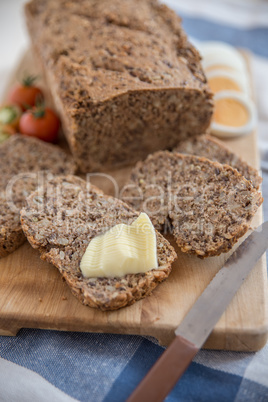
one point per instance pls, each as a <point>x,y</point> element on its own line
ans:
<point>10,114</point>
<point>40,122</point>
<point>26,94</point>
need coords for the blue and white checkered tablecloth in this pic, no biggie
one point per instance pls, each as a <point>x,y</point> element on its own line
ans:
<point>43,365</point>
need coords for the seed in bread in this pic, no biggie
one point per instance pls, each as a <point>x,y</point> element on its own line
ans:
<point>206,205</point>
<point>216,150</point>
<point>124,78</point>
<point>61,228</point>
<point>24,162</point>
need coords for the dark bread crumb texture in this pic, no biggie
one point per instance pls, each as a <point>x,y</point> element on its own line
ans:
<point>61,227</point>
<point>124,78</point>
<point>215,150</point>
<point>206,205</point>
<point>24,163</point>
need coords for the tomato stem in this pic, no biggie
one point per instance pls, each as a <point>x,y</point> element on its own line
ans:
<point>28,80</point>
<point>39,112</point>
<point>39,101</point>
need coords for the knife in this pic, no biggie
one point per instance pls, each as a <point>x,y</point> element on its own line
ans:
<point>201,319</point>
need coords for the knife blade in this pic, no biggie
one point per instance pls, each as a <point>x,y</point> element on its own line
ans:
<point>201,319</point>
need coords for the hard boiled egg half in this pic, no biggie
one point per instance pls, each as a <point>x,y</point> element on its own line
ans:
<point>221,55</point>
<point>234,114</point>
<point>223,80</point>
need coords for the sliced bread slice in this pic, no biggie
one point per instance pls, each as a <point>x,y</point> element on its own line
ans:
<point>61,227</point>
<point>216,150</point>
<point>206,205</point>
<point>24,163</point>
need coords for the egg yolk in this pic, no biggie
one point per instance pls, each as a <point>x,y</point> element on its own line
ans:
<point>230,112</point>
<point>222,83</point>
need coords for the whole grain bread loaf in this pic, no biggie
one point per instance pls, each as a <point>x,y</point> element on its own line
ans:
<point>24,163</point>
<point>206,205</point>
<point>124,78</point>
<point>61,228</point>
<point>216,150</point>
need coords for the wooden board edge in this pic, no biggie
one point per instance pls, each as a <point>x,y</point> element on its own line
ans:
<point>9,331</point>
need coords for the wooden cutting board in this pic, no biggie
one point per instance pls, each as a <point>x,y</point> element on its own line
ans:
<point>33,295</point>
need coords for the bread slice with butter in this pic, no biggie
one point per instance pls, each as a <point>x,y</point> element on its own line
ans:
<point>216,150</point>
<point>207,206</point>
<point>60,220</point>
<point>24,162</point>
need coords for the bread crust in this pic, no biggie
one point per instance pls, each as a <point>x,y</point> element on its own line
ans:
<point>24,161</point>
<point>207,206</point>
<point>61,231</point>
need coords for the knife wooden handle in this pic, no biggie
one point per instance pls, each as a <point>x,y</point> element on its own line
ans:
<point>164,374</point>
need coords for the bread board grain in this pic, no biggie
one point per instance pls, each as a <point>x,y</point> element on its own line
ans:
<point>32,294</point>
